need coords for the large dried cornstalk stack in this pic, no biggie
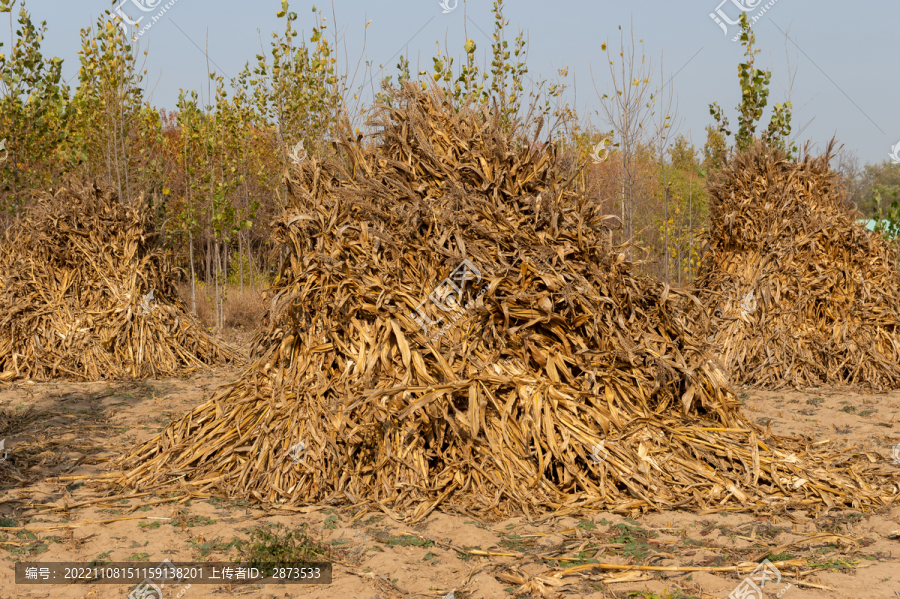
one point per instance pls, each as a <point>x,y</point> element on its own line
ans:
<point>85,295</point>
<point>801,294</point>
<point>562,380</point>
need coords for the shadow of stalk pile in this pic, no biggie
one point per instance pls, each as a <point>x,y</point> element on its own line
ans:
<point>801,294</point>
<point>86,294</point>
<point>41,443</point>
<point>453,329</point>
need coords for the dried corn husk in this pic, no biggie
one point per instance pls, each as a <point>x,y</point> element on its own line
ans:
<point>825,291</point>
<point>85,294</point>
<point>562,351</point>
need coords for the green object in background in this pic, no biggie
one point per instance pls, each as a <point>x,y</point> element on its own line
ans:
<point>887,221</point>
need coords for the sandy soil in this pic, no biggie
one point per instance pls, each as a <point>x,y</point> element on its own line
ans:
<point>65,429</point>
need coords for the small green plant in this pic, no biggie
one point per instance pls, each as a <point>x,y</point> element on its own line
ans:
<point>331,522</point>
<point>830,564</point>
<point>674,594</point>
<point>466,556</point>
<point>887,220</point>
<point>754,97</point>
<point>634,540</point>
<point>137,557</point>
<point>150,525</point>
<point>408,541</point>
<point>192,521</point>
<point>586,556</point>
<point>100,560</point>
<point>516,542</point>
<point>205,548</point>
<point>277,545</point>
<point>586,525</point>
<point>780,557</point>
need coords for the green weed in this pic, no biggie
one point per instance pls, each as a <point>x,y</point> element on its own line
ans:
<point>279,546</point>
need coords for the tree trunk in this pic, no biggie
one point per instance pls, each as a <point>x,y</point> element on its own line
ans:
<point>115,143</point>
<point>226,254</point>
<point>218,270</point>
<point>124,154</point>
<point>208,260</point>
<point>193,275</point>
<point>250,262</point>
<point>241,259</point>
<point>691,230</point>
<point>666,217</point>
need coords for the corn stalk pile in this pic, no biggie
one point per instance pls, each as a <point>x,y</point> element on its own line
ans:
<point>801,294</point>
<point>86,295</point>
<point>452,329</point>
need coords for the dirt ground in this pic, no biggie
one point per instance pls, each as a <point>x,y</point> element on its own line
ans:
<point>65,429</point>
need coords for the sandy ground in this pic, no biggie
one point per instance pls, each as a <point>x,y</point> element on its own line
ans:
<point>65,429</point>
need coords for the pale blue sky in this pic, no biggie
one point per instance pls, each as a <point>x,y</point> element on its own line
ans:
<point>846,82</point>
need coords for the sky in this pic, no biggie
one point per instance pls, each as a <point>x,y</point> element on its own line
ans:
<point>837,60</point>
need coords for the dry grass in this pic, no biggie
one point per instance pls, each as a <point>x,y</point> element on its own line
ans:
<point>244,310</point>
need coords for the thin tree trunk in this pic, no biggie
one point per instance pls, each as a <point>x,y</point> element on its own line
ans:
<point>17,202</point>
<point>115,142</point>
<point>208,262</point>
<point>216,254</point>
<point>691,230</point>
<point>226,254</point>
<point>193,275</point>
<point>680,255</point>
<point>124,153</point>
<point>250,262</point>
<point>241,258</point>
<point>108,156</point>
<point>666,217</point>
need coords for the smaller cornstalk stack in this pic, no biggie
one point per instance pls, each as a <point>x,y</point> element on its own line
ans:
<point>85,294</point>
<point>801,294</point>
